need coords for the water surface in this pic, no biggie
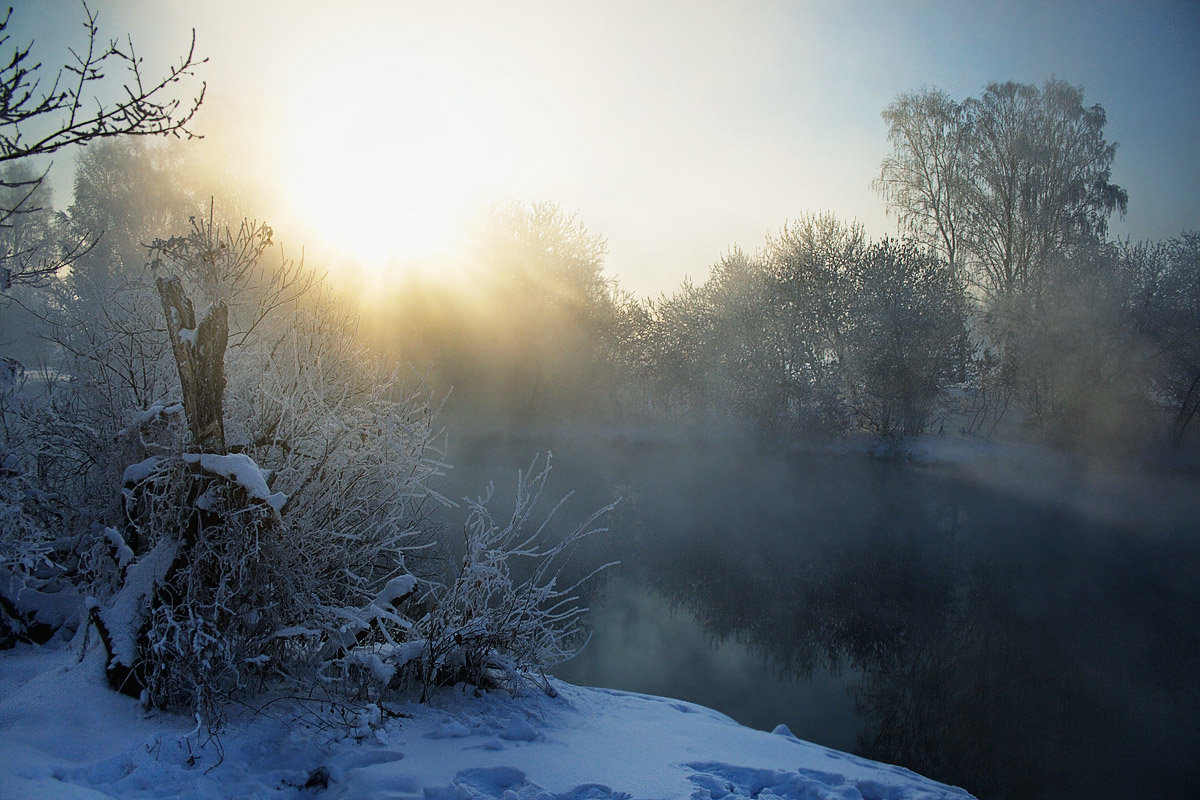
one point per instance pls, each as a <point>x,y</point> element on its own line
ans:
<point>1018,622</point>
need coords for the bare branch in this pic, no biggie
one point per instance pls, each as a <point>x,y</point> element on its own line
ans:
<point>38,120</point>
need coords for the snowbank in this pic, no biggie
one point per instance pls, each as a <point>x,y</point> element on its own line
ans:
<point>63,735</point>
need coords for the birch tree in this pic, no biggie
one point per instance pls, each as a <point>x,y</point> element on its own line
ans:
<point>925,177</point>
<point>1003,182</point>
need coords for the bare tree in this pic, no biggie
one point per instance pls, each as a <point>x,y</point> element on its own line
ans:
<point>924,178</point>
<point>45,110</point>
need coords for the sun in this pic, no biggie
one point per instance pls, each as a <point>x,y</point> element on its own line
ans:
<point>386,183</point>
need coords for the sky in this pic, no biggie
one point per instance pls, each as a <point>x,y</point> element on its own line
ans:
<point>673,129</point>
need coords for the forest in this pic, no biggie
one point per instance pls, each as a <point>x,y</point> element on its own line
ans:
<point>228,468</point>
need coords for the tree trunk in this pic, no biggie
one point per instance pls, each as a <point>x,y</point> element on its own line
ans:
<point>200,355</point>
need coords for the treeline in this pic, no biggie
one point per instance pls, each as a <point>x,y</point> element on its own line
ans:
<point>820,331</point>
<point>1004,305</point>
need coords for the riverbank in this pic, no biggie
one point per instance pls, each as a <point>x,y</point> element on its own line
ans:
<point>64,735</point>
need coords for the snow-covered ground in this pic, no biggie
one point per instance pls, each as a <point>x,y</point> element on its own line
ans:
<point>64,735</point>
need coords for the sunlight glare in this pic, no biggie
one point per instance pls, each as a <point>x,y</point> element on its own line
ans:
<point>381,182</point>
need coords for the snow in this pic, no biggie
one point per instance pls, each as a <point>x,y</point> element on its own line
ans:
<point>155,413</point>
<point>53,608</point>
<point>396,588</point>
<point>124,552</point>
<point>380,670</point>
<point>295,630</point>
<point>64,735</point>
<point>240,468</point>
<point>136,473</point>
<point>124,616</point>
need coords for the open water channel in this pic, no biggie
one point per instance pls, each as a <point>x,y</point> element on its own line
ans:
<point>1015,621</point>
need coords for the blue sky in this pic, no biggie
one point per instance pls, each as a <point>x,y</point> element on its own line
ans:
<point>675,129</point>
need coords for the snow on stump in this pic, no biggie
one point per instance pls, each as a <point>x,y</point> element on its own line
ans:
<point>202,568</point>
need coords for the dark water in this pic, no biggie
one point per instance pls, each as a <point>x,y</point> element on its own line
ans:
<point>1019,623</point>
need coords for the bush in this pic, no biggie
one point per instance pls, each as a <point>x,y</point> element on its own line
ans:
<point>206,569</point>
<point>35,596</point>
<point>296,544</point>
<point>502,615</point>
<point>507,609</point>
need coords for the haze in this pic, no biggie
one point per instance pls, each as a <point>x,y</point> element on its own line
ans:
<point>929,497</point>
<point>374,131</point>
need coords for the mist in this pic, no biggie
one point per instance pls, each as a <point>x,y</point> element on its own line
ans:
<point>930,497</point>
<point>963,611</point>
<point>856,492</point>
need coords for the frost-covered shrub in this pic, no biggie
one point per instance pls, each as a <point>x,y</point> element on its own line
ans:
<point>355,452</point>
<point>29,564</point>
<point>35,526</point>
<point>225,582</point>
<point>263,560</point>
<point>111,365</point>
<point>301,548</point>
<point>506,609</point>
<point>503,614</point>
<point>205,570</point>
<point>161,430</point>
<point>27,516</point>
<point>351,446</point>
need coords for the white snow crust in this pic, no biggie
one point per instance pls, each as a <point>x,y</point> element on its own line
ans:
<point>63,734</point>
<point>124,616</point>
<point>136,473</point>
<point>240,468</point>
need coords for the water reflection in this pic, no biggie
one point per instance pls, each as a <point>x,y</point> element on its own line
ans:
<point>1027,630</point>
<point>644,642</point>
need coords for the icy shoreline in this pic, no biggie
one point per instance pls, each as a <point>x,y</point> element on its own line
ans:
<point>64,735</point>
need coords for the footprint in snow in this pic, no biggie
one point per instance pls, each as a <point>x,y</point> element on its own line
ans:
<point>519,730</point>
<point>715,780</point>
<point>509,783</point>
<point>449,730</point>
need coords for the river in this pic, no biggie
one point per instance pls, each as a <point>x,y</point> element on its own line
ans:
<point>1019,622</point>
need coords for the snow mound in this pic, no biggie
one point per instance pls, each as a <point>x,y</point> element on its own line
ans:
<point>64,735</point>
<point>241,469</point>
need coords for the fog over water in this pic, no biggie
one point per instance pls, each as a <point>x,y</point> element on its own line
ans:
<point>1013,620</point>
<point>225,358</point>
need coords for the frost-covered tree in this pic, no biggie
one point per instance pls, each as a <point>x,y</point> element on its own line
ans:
<point>810,266</point>
<point>909,324</point>
<point>678,348</point>
<point>127,192</point>
<point>1002,183</point>
<point>1162,301</point>
<point>1014,185</point>
<point>820,332</point>
<point>1039,168</point>
<point>547,332</point>
<point>924,178</point>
